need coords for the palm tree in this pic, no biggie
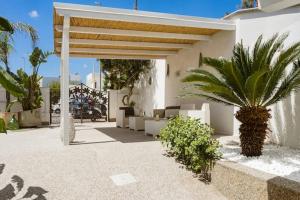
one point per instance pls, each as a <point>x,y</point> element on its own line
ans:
<point>6,44</point>
<point>5,25</point>
<point>252,81</point>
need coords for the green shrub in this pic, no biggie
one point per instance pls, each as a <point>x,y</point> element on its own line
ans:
<point>191,142</point>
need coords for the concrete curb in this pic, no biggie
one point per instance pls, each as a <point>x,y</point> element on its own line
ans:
<point>236,181</point>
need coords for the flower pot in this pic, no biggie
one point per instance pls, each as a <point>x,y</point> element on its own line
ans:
<point>30,118</point>
<point>6,116</point>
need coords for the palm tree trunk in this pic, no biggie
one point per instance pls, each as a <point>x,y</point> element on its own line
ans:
<point>7,94</point>
<point>253,129</point>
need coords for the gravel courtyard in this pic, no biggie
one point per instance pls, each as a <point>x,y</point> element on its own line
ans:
<point>35,163</point>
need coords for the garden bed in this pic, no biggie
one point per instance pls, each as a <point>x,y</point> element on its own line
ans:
<point>275,175</point>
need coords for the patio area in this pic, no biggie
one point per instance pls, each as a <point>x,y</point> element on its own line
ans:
<point>84,170</point>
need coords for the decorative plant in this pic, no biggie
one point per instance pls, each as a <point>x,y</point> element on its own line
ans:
<point>120,74</point>
<point>190,142</point>
<point>252,81</point>
<point>6,42</point>
<point>23,86</point>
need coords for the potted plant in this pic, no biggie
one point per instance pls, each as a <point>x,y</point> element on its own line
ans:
<point>26,89</point>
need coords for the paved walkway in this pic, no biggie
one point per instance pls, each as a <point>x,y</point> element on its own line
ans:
<point>42,167</point>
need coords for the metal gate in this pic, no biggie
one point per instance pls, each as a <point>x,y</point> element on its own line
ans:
<point>86,104</point>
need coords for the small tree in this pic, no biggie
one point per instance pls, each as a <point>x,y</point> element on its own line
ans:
<point>124,74</point>
<point>249,3</point>
<point>55,91</point>
<point>252,81</point>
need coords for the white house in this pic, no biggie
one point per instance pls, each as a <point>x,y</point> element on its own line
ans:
<point>93,80</point>
<point>46,81</point>
<point>174,43</point>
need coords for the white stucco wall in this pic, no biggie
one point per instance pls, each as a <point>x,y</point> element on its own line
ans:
<point>146,96</point>
<point>151,96</point>
<point>285,123</point>
<point>220,45</point>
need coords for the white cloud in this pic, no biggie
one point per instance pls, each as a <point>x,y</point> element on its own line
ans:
<point>33,14</point>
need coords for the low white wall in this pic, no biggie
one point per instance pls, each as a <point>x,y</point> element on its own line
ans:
<point>220,45</point>
<point>285,122</point>
<point>45,109</point>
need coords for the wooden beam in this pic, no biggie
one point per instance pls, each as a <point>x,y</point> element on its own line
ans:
<point>120,57</point>
<point>132,33</point>
<point>119,51</point>
<point>126,43</point>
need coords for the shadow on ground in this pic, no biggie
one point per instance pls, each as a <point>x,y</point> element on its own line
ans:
<point>125,135</point>
<point>16,185</point>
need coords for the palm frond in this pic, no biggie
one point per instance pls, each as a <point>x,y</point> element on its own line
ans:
<point>10,84</point>
<point>6,26</point>
<point>26,28</point>
<point>254,77</point>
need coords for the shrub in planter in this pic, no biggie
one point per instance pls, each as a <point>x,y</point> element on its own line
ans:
<point>191,142</point>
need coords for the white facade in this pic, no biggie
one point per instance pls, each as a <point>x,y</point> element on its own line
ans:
<point>46,81</point>
<point>93,80</point>
<point>75,78</point>
<point>220,45</point>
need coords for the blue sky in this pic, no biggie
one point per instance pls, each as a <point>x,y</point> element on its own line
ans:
<point>38,13</point>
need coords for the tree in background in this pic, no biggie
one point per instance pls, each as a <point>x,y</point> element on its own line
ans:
<point>249,3</point>
<point>253,81</point>
<point>119,74</point>
<point>6,42</point>
<point>55,91</point>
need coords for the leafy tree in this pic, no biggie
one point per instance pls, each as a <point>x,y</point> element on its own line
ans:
<point>120,74</point>
<point>252,81</point>
<point>55,91</point>
<point>6,42</point>
<point>249,3</point>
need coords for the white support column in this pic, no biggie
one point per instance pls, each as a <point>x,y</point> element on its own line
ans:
<point>65,126</point>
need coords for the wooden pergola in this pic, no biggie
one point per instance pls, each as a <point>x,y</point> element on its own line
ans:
<point>108,33</point>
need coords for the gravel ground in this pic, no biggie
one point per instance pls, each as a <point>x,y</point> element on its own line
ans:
<point>43,167</point>
<point>277,160</point>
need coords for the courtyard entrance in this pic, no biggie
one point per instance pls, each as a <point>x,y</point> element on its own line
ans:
<point>85,104</point>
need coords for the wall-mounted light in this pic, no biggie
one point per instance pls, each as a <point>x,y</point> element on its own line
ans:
<point>168,70</point>
<point>150,80</point>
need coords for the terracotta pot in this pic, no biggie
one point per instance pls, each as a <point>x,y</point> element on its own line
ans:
<point>30,118</point>
<point>6,116</point>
